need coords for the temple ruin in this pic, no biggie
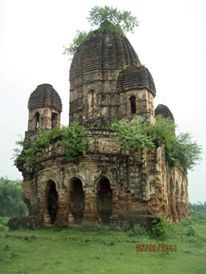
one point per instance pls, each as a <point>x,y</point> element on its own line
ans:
<point>107,81</point>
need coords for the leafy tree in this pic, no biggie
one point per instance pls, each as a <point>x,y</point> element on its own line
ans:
<point>162,131</point>
<point>123,20</point>
<point>185,151</point>
<point>11,203</point>
<point>106,18</point>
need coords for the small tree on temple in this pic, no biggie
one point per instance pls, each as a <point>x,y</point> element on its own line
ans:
<point>106,18</point>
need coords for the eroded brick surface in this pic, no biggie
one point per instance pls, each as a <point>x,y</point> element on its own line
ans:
<point>107,182</point>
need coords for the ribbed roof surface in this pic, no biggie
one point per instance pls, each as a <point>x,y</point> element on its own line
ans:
<point>164,111</point>
<point>45,96</point>
<point>106,50</point>
<point>135,77</point>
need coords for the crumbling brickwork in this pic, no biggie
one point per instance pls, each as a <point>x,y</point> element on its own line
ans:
<point>107,81</point>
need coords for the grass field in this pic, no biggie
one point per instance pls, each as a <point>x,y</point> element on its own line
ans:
<point>53,251</point>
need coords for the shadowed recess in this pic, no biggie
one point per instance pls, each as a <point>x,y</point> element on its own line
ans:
<point>52,201</point>
<point>77,200</point>
<point>104,199</point>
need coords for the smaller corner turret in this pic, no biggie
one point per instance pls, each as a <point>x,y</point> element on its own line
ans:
<point>164,111</point>
<point>136,88</point>
<point>45,109</point>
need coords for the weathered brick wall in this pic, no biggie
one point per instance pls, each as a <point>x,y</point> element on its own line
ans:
<point>140,181</point>
<point>107,81</point>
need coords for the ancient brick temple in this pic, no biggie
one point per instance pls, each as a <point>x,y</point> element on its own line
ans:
<point>107,81</point>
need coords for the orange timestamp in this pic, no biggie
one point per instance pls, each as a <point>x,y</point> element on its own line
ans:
<point>141,247</point>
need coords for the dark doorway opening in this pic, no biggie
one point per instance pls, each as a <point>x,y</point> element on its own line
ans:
<point>77,200</point>
<point>54,120</point>
<point>37,120</point>
<point>52,201</point>
<point>133,108</point>
<point>104,200</point>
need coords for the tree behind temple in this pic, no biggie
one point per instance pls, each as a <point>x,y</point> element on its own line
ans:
<point>11,203</point>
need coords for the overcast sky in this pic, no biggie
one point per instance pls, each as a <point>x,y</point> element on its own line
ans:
<point>170,41</point>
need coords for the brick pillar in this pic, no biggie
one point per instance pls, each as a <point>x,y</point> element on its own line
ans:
<point>90,211</point>
<point>43,213</point>
<point>63,210</point>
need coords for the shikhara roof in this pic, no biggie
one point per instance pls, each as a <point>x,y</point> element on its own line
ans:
<point>45,96</point>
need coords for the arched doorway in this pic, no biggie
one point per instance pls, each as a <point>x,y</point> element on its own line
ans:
<point>132,100</point>
<point>54,120</point>
<point>52,201</point>
<point>77,200</point>
<point>104,199</point>
<point>36,120</point>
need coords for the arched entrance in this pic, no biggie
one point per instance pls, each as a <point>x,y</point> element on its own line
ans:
<point>133,108</point>
<point>104,199</point>
<point>77,200</point>
<point>36,120</point>
<point>54,120</point>
<point>52,201</point>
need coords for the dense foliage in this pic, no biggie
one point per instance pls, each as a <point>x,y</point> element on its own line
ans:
<point>180,149</point>
<point>123,20</point>
<point>74,141</point>
<point>72,138</point>
<point>132,135</point>
<point>11,203</point>
<point>161,230</point>
<point>105,18</point>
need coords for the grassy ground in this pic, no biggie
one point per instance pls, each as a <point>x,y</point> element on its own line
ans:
<point>50,251</point>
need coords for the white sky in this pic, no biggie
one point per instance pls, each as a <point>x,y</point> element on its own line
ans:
<point>170,41</point>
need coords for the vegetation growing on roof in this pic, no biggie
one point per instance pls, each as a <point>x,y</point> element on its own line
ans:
<point>106,19</point>
<point>180,149</point>
<point>123,21</point>
<point>72,138</point>
<point>79,39</point>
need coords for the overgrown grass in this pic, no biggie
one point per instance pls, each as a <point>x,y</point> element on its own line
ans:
<point>76,250</point>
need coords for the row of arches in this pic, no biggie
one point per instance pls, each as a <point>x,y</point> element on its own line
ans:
<point>77,200</point>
